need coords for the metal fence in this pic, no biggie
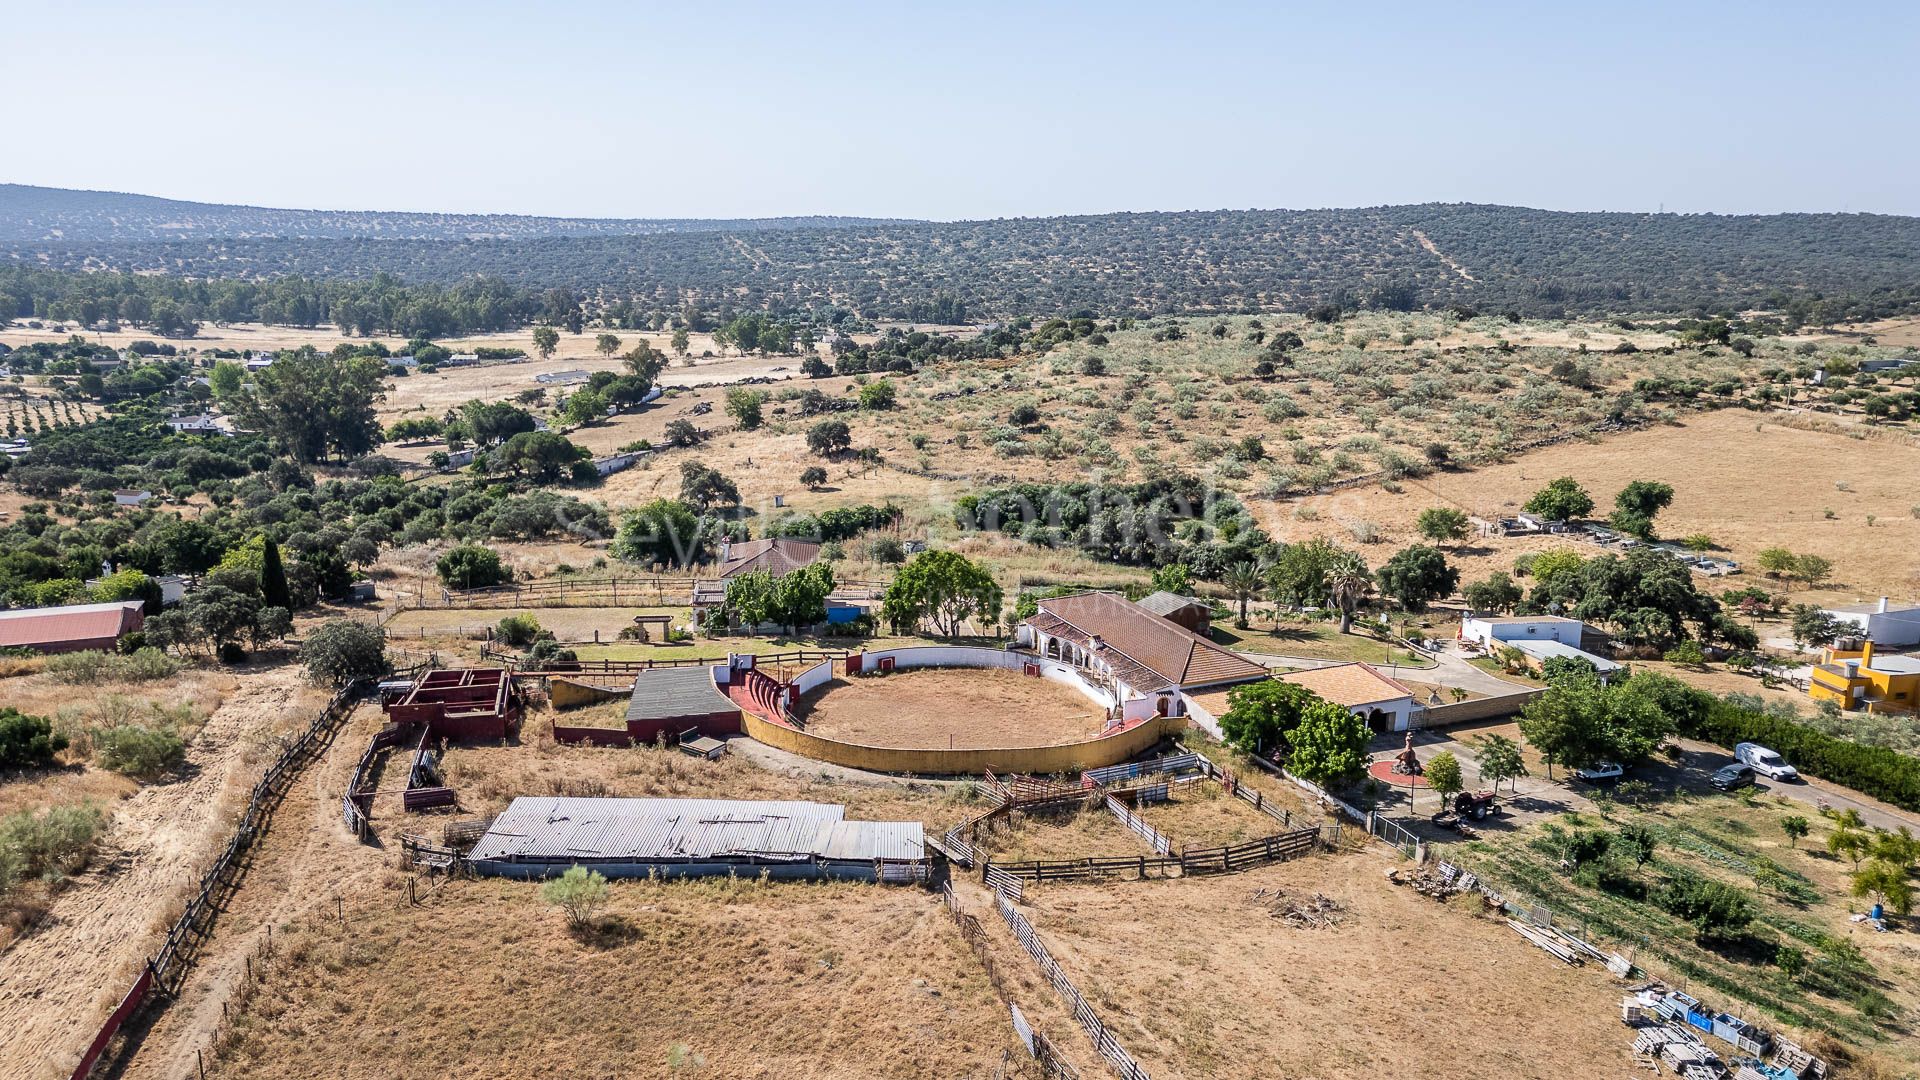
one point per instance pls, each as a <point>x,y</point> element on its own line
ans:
<point>168,966</point>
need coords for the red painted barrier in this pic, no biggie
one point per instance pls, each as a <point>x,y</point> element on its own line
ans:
<point>141,987</point>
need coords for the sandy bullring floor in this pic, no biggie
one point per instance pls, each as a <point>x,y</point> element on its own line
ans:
<point>968,709</point>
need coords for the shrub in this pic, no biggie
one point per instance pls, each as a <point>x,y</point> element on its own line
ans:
<point>517,631</point>
<point>27,740</point>
<point>138,749</point>
<point>579,892</point>
<point>1717,911</point>
<point>470,566</point>
<point>46,845</point>
<point>146,664</point>
<point>342,650</point>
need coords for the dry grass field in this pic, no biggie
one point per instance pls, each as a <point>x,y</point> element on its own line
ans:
<point>716,978</point>
<point>1079,831</point>
<point>960,708</point>
<point>1747,481</point>
<point>59,978</point>
<point>1197,978</point>
<point>1203,814</point>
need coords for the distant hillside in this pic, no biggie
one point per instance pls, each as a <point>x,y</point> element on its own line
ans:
<point>1489,257</point>
<point>31,215</point>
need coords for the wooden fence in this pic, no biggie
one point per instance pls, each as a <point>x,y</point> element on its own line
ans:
<point>1161,845</point>
<point>1036,1042</point>
<point>168,966</point>
<point>1118,1059</point>
<point>1279,847</point>
<point>629,667</point>
<point>630,591</point>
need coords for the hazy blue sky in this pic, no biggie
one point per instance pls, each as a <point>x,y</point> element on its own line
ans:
<point>969,110</point>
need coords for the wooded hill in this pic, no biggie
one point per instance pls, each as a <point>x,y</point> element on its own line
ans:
<point>65,216</point>
<point>1492,258</point>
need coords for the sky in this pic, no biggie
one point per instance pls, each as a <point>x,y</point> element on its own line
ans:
<point>963,111</point>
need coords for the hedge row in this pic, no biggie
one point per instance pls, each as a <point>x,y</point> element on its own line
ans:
<point>1884,774</point>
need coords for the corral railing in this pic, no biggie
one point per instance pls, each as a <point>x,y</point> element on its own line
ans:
<point>169,964</point>
<point>1193,861</point>
<point>1114,773</point>
<point>1396,834</point>
<point>629,591</point>
<point>1161,845</point>
<point>1109,1047</point>
<point>628,667</point>
<point>1051,1063</point>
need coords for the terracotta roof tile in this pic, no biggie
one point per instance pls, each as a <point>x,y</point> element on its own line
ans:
<point>776,556</point>
<point>1176,655</point>
<point>1349,684</point>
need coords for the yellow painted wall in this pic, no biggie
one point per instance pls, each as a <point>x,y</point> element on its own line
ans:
<point>1038,760</point>
<point>565,693</point>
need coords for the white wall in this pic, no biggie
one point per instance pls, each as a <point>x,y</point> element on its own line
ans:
<point>1201,718</point>
<point>963,656</point>
<point>1894,627</point>
<point>814,677</point>
<point>1487,632</point>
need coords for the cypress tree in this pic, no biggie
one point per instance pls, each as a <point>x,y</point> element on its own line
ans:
<point>273,577</point>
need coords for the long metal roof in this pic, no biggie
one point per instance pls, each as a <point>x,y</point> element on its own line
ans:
<point>544,829</point>
<point>664,693</point>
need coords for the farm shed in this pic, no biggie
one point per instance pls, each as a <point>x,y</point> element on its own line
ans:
<point>74,628</point>
<point>1195,615</point>
<point>1491,632</point>
<point>1384,703</point>
<point>543,836</point>
<point>1539,652</point>
<point>461,703</point>
<point>1887,623</point>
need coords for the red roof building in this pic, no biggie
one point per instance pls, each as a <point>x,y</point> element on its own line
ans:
<point>74,628</point>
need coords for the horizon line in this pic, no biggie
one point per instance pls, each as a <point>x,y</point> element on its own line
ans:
<point>881,219</point>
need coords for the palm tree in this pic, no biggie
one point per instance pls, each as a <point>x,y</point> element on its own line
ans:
<point>1349,581</point>
<point>1243,580</point>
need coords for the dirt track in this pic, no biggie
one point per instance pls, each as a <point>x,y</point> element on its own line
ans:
<point>306,861</point>
<point>57,982</point>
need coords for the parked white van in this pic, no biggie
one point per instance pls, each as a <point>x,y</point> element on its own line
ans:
<point>1765,762</point>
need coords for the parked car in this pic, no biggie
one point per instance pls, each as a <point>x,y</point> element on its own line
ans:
<point>1732,776</point>
<point>1765,762</point>
<point>1600,772</point>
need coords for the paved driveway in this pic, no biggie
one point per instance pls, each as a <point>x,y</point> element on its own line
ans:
<point>1539,798</point>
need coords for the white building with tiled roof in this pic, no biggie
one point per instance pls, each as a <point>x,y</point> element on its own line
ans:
<point>1141,651</point>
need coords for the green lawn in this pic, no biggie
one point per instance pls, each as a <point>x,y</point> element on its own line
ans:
<point>1320,641</point>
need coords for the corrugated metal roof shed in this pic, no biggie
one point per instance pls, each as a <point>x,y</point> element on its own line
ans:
<point>865,841</point>
<point>663,693</point>
<point>644,830</point>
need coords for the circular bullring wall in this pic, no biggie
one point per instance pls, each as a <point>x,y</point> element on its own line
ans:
<point>955,710</point>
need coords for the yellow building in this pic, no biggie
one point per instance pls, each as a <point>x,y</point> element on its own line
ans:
<point>1855,678</point>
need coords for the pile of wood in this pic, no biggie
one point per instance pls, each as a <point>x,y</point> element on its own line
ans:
<point>1425,882</point>
<point>1553,941</point>
<point>1315,912</point>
